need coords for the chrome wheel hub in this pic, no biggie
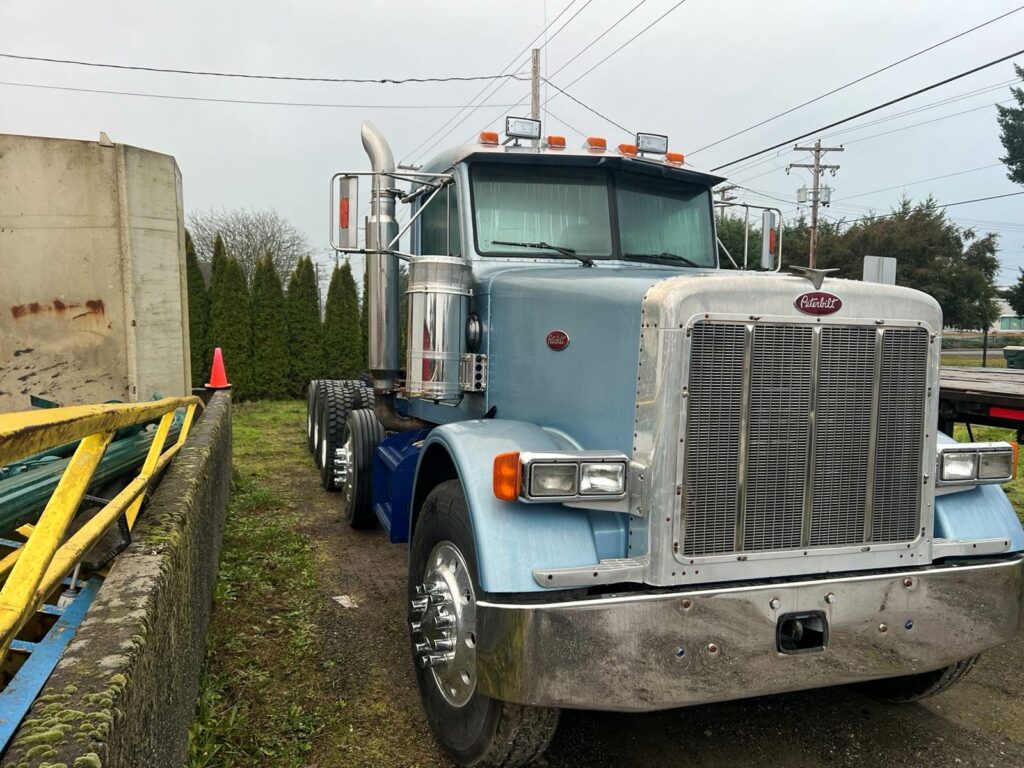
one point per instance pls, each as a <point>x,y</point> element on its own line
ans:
<point>344,477</point>
<point>443,623</point>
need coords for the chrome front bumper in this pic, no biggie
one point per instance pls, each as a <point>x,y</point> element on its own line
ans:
<point>641,652</point>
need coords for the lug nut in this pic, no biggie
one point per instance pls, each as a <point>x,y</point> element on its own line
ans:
<point>444,644</point>
<point>424,647</point>
<point>420,604</point>
<point>434,660</point>
<point>416,626</point>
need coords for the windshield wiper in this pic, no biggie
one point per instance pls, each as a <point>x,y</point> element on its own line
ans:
<point>546,247</point>
<point>662,258</point>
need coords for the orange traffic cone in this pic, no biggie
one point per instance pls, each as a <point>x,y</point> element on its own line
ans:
<point>218,377</point>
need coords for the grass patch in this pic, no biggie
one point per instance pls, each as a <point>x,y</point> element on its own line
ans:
<point>258,700</point>
<point>995,360</point>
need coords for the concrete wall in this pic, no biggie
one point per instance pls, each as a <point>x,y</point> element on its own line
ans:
<point>124,693</point>
<point>93,302</point>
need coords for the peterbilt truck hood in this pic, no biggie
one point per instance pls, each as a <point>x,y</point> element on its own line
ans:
<point>588,389</point>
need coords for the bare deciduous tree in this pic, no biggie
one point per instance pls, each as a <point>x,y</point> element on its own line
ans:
<point>247,235</point>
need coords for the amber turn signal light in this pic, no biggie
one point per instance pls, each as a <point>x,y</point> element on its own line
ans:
<point>508,476</point>
<point>488,137</point>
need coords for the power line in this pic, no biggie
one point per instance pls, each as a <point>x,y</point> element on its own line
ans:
<point>593,42</point>
<point>588,108</point>
<point>931,105</point>
<point>602,61</point>
<point>858,80</point>
<point>925,122</point>
<point>939,205</point>
<point>482,91</point>
<point>234,101</point>
<point>889,103</point>
<point>250,76</point>
<point>634,37</point>
<point>921,181</point>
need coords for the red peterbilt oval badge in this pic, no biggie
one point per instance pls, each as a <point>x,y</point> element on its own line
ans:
<point>557,340</point>
<point>818,303</point>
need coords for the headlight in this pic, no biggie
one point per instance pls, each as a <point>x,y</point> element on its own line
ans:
<point>564,476</point>
<point>553,479</point>
<point>959,466</point>
<point>972,463</point>
<point>602,479</point>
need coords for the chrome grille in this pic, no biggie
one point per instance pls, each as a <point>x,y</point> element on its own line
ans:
<point>714,422</point>
<point>780,399</point>
<point>846,373</point>
<point>802,436</point>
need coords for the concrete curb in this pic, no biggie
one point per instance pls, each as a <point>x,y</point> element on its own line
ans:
<point>124,693</point>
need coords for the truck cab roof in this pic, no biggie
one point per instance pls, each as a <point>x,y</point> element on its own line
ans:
<point>604,158</point>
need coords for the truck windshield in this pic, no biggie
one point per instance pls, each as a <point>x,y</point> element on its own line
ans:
<point>595,212</point>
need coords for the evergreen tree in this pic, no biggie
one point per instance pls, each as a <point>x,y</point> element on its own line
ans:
<point>269,333</point>
<point>231,325</point>
<point>198,315</point>
<point>934,255</point>
<point>1014,295</point>
<point>1011,132</point>
<point>305,342</point>
<point>341,326</point>
<point>217,262</point>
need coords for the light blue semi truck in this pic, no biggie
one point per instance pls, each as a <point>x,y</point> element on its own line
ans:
<point>631,479</point>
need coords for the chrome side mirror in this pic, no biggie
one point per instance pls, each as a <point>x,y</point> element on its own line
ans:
<point>769,239</point>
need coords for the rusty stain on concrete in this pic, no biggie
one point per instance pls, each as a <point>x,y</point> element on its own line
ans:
<point>93,307</point>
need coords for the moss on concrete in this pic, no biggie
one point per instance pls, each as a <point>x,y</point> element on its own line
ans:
<point>124,693</point>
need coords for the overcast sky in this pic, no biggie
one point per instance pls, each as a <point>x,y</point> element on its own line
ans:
<point>709,68</point>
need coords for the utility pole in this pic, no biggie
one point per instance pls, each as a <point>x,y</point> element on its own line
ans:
<point>724,196</point>
<point>817,168</point>
<point>535,86</point>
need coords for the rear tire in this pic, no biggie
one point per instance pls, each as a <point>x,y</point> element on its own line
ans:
<point>482,732</point>
<point>337,400</point>
<point>364,435</point>
<point>312,420</point>
<point>910,688</point>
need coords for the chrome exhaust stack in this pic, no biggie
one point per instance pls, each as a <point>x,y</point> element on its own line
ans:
<point>381,266</point>
<point>382,284</point>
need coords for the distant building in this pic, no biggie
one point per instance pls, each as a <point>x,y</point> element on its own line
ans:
<point>1008,320</point>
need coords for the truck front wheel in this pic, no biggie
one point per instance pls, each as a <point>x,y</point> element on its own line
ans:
<point>904,690</point>
<point>474,729</point>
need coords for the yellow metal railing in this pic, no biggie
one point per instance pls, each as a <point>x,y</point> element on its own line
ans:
<point>46,557</point>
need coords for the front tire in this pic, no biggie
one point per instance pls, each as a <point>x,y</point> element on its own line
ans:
<point>910,688</point>
<point>474,729</point>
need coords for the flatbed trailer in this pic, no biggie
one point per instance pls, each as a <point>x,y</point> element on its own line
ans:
<point>991,397</point>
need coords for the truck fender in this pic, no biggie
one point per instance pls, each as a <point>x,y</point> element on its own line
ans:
<point>977,512</point>
<point>512,538</point>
